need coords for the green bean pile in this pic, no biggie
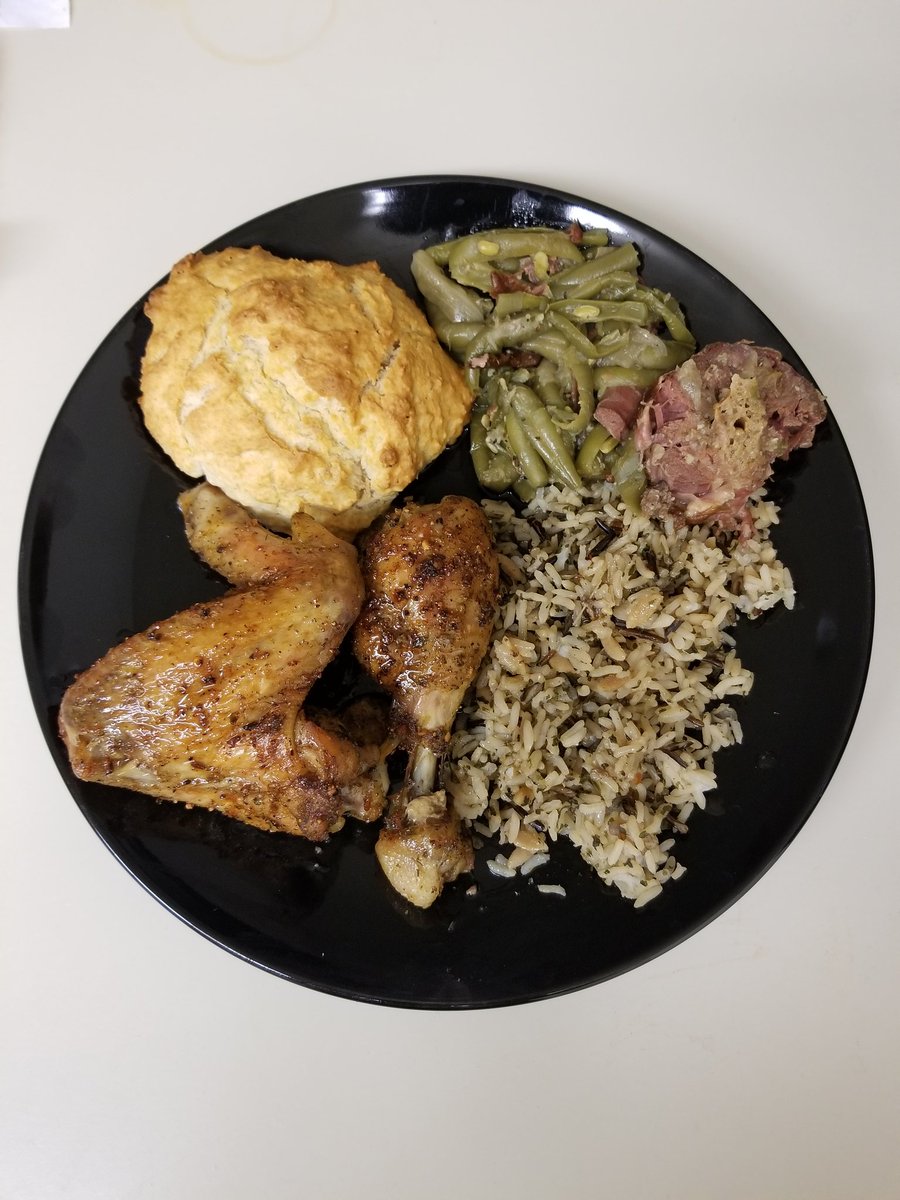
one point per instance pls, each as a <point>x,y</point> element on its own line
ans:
<point>544,321</point>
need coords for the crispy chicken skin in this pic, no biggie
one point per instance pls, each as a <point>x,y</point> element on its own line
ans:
<point>432,580</point>
<point>206,706</point>
<point>422,846</point>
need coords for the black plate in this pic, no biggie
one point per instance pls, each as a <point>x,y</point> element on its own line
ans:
<point>104,554</point>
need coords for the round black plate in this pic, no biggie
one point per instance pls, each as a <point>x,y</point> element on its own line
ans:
<point>104,554</point>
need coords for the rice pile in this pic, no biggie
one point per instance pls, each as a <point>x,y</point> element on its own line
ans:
<point>603,699</point>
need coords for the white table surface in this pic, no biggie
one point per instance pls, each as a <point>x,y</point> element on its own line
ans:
<point>759,1059</point>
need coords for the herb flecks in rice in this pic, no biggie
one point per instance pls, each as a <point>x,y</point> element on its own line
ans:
<point>602,701</point>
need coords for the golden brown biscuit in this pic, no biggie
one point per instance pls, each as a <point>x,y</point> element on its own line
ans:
<point>296,385</point>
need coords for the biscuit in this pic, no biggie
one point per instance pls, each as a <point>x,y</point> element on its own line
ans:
<point>297,385</point>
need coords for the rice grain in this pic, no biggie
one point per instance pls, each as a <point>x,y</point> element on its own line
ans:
<point>601,704</point>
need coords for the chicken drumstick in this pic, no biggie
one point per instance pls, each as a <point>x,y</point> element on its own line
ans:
<point>432,580</point>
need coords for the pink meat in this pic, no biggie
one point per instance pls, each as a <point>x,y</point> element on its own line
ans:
<point>709,431</point>
<point>526,281</point>
<point>618,409</point>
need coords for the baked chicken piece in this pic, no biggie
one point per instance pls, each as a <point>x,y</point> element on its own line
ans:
<point>206,706</point>
<point>432,580</point>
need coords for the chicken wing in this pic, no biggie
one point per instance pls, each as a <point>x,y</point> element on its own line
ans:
<point>432,577</point>
<point>206,706</point>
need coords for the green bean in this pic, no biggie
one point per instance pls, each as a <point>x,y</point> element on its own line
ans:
<point>576,310</point>
<point>639,377</point>
<point>676,353</point>
<point>508,303</point>
<point>585,278</point>
<point>631,488</point>
<point>455,302</point>
<point>583,386</point>
<point>552,346</point>
<point>574,421</point>
<point>595,325</point>
<point>495,469</point>
<point>509,332</point>
<point>669,312</point>
<point>594,237</point>
<point>628,475</point>
<point>626,459</point>
<point>573,335</point>
<point>664,356</point>
<point>539,239</point>
<point>574,368</point>
<point>508,265</point>
<point>632,312</point>
<point>614,342</point>
<point>643,348</point>
<point>472,259</point>
<point>539,426</point>
<point>494,395</point>
<point>441,251</point>
<point>576,375</point>
<point>629,311</point>
<point>456,335</point>
<point>547,385</point>
<point>617,285</point>
<point>597,443</point>
<point>529,459</point>
<point>478,432</point>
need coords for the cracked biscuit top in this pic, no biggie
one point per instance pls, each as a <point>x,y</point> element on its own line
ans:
<point>297,386</point>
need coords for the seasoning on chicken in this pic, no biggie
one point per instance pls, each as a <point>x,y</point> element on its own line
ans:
<point>709,431</point>
<point>432,579</point>
<point>206,706</point>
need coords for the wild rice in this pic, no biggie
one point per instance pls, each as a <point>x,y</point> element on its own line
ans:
<point>601,703</point>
